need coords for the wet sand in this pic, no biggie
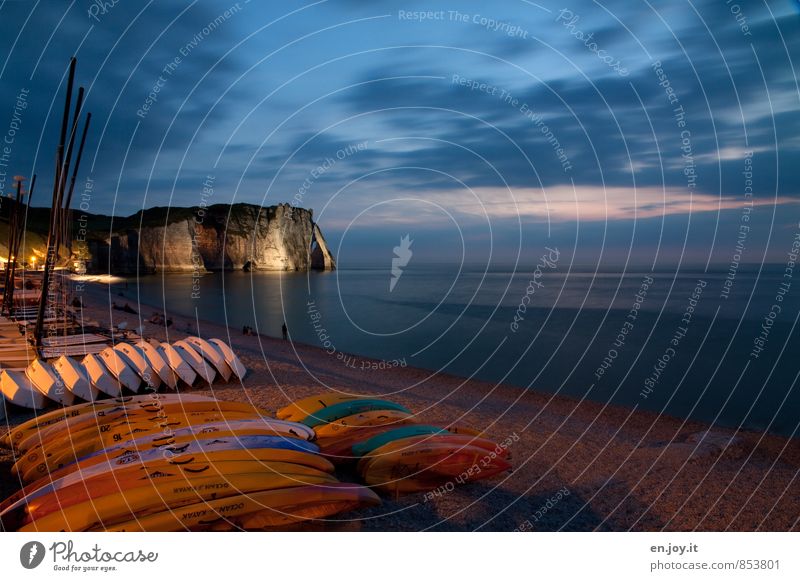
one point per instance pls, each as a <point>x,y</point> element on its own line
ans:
<point>579,466</point>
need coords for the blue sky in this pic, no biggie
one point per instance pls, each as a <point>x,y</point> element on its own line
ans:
<point>485,130</point>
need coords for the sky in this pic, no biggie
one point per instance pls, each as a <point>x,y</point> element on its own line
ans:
<point>627,132</point>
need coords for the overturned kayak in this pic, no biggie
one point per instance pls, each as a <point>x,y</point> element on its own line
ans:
<point>18,390</point>
<point>100,376</point>
<point>46,380</point>
<point>202,367</point>
<point>212,355</point>
<point>75,378</point>
<point>158,364</point>
<point>137,360</point>
<point>180,368</point>
<point>121,371</point>
<point>238,368</point>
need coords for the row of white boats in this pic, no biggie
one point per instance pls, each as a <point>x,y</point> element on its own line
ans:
<point>133,366</point>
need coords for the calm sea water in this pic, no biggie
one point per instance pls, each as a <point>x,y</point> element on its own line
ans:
<point>690,348</point>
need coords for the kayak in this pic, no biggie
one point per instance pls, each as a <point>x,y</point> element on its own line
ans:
<point>260,510</point>
<point>212,355</point>
<point>302,408</point>
<point>122,460</point>
<point>110,415</point>
<point>379,440</point>
<point>425,466</point>
<point>348,408</point>
<point>439,438</point>
<point>156,495</point>
<point>233,361</point>
<point>57,453</point>
<point>356,422</point>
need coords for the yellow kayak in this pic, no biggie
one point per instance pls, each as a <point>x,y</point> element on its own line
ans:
<point>302,408</point>
<point>41,461</point>
<point>71,491</point>
<point>132,464</point>
<point>91,430</point>
<point>352,423</point>
<point>117,432</point>
<point>157,496</point>
<point>113,415</point>
<point>145,401</point>
<point>258,510</point>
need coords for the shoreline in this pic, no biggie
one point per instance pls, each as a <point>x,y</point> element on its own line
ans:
<point>607,467</point>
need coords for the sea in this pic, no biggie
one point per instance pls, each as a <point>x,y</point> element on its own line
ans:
<point>711,344</point>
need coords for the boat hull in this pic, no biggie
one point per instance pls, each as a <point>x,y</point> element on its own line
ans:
<point>48,382</point>
<point>238,368</point>
<point>137,361</point>
<point>74,376</point>
<point>18,390</point>
<point>178,365</point>
<point>210,353</point>
<point>203,369</point>
<point>120,370</point>
<point>100,377</point>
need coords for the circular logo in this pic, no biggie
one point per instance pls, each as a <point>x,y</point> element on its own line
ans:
<point>31,554</point>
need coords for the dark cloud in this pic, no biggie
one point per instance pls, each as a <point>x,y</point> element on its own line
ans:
<point>261,118</point>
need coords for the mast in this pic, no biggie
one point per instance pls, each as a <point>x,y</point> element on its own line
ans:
<point>52,257</point>
<point>12,236</point>
<point>68,203</point>
<point>19,231</point>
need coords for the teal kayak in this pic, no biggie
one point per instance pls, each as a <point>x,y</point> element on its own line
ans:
<point>376,442</point>
<point>348,408</point>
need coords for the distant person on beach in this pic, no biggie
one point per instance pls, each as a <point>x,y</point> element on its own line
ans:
<point>285,331</point>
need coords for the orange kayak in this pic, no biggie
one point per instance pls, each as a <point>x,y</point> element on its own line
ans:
<point>442,438</point>
<point>429,465</point>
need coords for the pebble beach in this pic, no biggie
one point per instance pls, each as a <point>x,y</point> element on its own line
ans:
<point>578,465</point>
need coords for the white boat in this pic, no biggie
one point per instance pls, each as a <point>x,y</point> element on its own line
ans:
<point>119,369</point>
<point>208,351</point>
<point>179,367</point>
<point>135,357</point>
<point>17,389</point>
<point>158,364</point>
<point>48,382</point>
<point>193,358</point>
<point>100,376</point>
<point>238,368</point>
<point>74,376</point>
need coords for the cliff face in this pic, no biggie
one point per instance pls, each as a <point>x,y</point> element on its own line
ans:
<point>219,237</point>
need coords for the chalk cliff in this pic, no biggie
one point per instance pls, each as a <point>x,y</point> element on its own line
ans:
<point>218,237</point>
